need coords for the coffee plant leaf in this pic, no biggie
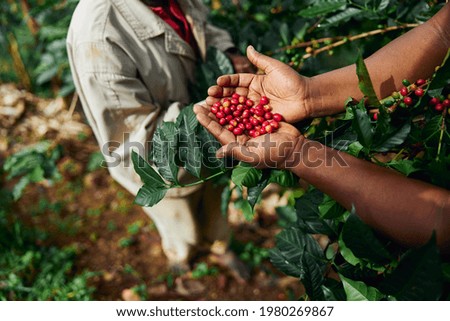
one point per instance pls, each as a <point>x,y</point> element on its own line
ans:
<point>365,83</point>
<point>247,210</point>
<point>190,149</point>
<point>282,263</point>
<point>330,209</point>
<point>418,275</point>
<point>150,195</point>
<point>209,146</point>
<point>308,215</point>
<point>359,291</point>
<point>146,172</point>
<point>254,192</point>
<point>322,7</point>
<point>362,125</point>
<point>164,148</point>
<point>246,175</point>
<point>287,216</point>
<point>225,199</point>
<point>442,75</point>
<point>404,166</point>
<point>362,241</point>
<point>283,178</point>
<point>312,276</point>
<point>333,290</point>
<point>395,139</point>
<point>340,17</point>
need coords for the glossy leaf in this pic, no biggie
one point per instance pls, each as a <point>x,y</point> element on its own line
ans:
<point>312,276</point>
<point>359,291</point>
<point>150,195</point>
<point>322,7</point>
<point>190,149</point>
<point>164,149</point>
<point>394,139</point>
<point>418,275</point>
<point>362,126</point>
<point>246,175</point>
<point>362,241</point>
<point>365,83</point>
<point>147,174</point>
<point>254,192</point>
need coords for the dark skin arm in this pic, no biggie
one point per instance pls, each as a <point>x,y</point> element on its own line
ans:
<point>411,56</point>
<point>403,209</point>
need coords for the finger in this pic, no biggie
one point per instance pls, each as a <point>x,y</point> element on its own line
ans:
<point>263,62</point>
<point>211,100</point>
<point>220,92</point>
<point>223,135</point>
<point>235,80</point>
<point>289,129</point>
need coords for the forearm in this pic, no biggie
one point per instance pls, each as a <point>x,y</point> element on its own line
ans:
<point>403,209</point>
<point>412,56</point>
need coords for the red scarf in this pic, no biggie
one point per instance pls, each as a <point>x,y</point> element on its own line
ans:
<point>173,16</point>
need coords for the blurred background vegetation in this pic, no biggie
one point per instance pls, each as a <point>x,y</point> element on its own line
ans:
<point>312,36</point>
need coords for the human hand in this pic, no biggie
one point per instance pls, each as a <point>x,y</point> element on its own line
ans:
<point>287,90</point>
<point>275,150</point>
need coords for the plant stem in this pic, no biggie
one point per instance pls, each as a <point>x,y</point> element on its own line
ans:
<point>204,180</point>
<point>441,136</point>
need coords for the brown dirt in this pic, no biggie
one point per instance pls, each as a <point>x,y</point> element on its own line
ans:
<point>89,211</point>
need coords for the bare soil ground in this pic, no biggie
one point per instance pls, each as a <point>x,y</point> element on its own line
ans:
<point>90,212</point>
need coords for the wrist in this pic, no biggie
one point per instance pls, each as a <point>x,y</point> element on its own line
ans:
<point>314,99</point>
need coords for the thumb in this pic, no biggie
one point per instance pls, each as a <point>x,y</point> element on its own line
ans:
<point>261,61</point>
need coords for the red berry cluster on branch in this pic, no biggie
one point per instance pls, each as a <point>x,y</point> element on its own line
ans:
<point>409,95</point>
<point>240,116</point>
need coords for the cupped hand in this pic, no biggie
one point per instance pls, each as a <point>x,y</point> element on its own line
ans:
<point>267,151</point>
<point>287,90</point>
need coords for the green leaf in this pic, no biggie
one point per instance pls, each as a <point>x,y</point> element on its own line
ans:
<point>365,83</point>
<point>312,276</point>
<point>20,187</point>
<point>287,216</point>
<point>322,7</point>
<point>362,125</point>
<point>147,174</point>
<point>283,178</point>
<point>150,195</point>
<point>290,244</point>
<point>359,291</point>
<point>246,175</point>
<point>283,264</point>
<point>361,239</point>
<point>404,166</point>
<point>209,147</point>
<point>164,149</point>
<point>308,215</point>
<point>37,175</point>
<point>442,75</point>
<point>246,208</point>
<point>330,209</point>
<point>346,253</point>
<point>418,275</point>
<point>340,17</point>
<point>190,149</point>
<point>333,290</point>
<point>254,192</point>
<point>355,148</point>
<point>393,139</point>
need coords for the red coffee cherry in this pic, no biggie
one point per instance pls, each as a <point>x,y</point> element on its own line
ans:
<point>408,101</point>
<point>446,103</point>
<point>404,91</point>
<point>375,116</point>
<point>439,107</point>
<point>240,115</point>
<point>264,100</point>
<point>419,92</point>
<point>420,82</point>
<point>277,117</point>
<point>434,101</point>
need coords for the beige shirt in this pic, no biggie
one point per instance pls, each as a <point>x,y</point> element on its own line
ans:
<point>131,70</point>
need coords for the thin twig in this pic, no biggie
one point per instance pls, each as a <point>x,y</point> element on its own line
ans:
<point>339,41</point>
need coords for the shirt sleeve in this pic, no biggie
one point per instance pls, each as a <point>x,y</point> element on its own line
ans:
<point>218,38</point>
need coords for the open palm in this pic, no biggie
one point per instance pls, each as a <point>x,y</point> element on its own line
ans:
<point>286,89</point>
<point>270,150</point>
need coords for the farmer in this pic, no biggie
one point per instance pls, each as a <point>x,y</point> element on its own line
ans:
<point>404,209</point>
<point>132,62</point>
